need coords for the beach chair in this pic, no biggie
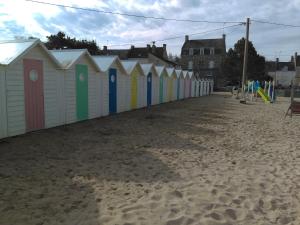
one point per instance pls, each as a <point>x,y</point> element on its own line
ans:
<point>294,108</point>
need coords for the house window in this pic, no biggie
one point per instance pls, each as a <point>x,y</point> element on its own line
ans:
<point>218,51</point>
<point>201,51</point>
<point>190,66</point>
<point>206,51</point>
<point>212,51</point>
<point>185,51</point>
<point>196,51</point>
<point>201,63</point>
<point>191,51</point>
<point>211,64</point>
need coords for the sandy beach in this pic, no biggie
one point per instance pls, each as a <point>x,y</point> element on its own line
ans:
<point>201,161</point>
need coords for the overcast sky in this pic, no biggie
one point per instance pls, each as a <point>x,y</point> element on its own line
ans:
<point>22,18</point>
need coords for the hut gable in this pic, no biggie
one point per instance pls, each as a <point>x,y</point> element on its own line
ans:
<point>107,62</point>
<point>170,72</point>
<point>185,73</point>
<point>147,68</point>
<point>161,71</point>
<point>178,73</point>
<point>130,66</point>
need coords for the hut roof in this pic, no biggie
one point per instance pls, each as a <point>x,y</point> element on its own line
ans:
<point>68,57</point>
<point>11,51</point>
<point>105,62</point>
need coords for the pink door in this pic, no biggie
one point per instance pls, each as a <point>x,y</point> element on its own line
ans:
<point>34,95</point>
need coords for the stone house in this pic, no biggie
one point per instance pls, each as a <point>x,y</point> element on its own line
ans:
<point>205,57</point>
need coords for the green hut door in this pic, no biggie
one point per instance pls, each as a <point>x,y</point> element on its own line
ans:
<point>82,92</point>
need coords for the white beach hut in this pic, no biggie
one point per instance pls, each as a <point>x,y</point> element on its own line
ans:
<point>179,75</point>
<point>162,73</point>
<point>211,86</point>
<point>171,95</point>
<point>192,84</point>
<point>152,84</point>
<point>182,84</point>
<point>197,93</point>
<point>30,88</point>
<point>205,87</point>
<point>201,87</point>
<point>186,85</point>
<point>138,87</point>
<point>82,84</point>
<point>115,93</point>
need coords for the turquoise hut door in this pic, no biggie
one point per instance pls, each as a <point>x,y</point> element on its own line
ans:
<point>82,92</point>
<point>161,89</point>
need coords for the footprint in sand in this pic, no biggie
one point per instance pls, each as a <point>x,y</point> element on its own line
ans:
<point>176,194</point>
<point>182,220</point>
<point>231,213</point>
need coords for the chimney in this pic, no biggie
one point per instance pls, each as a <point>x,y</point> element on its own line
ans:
<point>277,64</point>
<point>153,48</point>
<point>186,37</point>
<point>132,47</point>
<point>224,36</point>
<point>164,47</point>
<point>105,49</point>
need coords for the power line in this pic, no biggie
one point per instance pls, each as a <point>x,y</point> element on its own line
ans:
<point>176,37</point>
<point>132,15</point>
<point>274,23</point>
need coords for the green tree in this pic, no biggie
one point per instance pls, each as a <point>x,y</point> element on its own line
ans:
<point>61,41</point>
<point>233,63</point>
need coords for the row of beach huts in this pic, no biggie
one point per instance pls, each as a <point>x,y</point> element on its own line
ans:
<point>41,89</point>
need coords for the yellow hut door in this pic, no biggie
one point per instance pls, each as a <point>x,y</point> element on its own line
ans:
<point>170,88</point>
<point>134,84</point>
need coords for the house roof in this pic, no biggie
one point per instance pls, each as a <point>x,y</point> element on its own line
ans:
<point>271,66</point>
<point>68,57</point>
<point>216,43</point>
<point>122,53</point>
<point>105,62</point>
<point>11,51</point>
<point>130,65</point>
<point>139,52</point>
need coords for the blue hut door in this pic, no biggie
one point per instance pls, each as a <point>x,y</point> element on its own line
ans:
<point>149,89</point>
<point>112,91</point>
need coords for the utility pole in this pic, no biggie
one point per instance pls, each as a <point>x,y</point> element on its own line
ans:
<point>244,78</point>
